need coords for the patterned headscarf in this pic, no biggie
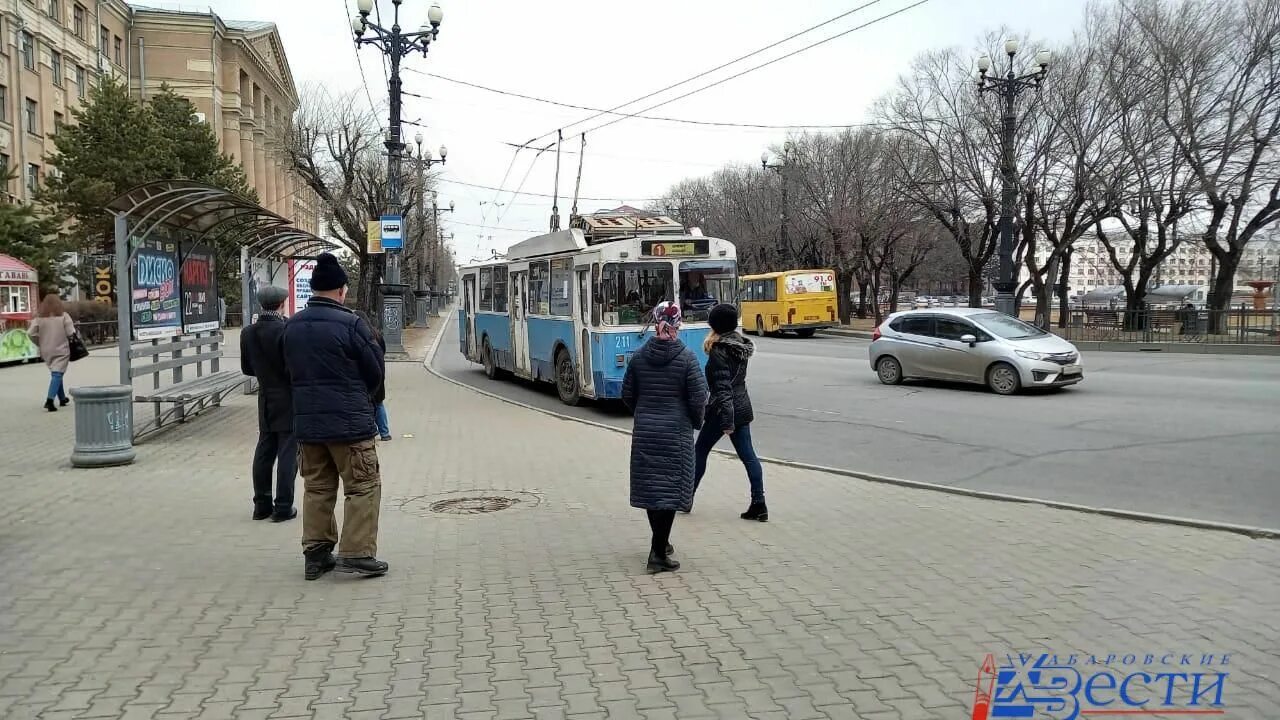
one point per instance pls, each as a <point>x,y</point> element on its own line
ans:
<point>667,319</point>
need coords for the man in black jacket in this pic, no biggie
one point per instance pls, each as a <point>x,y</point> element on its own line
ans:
<point>336,367</point>
<point>262,356</point>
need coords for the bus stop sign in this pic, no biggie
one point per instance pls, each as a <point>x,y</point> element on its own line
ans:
<point>392,232</point>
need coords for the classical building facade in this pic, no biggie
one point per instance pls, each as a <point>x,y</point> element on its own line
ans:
<point>235,73</point>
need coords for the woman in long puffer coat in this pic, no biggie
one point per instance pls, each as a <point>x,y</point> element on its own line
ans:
<point>665,389</point>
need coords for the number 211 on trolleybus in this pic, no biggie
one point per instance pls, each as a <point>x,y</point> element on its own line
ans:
<point>571,307</point>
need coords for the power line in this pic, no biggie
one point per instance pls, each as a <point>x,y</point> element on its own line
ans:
<point>615,198</point>
<point>684,121</point>
<point>489,227</point>
<point>714,69</point>
<point>793,53</point>
<point>503,213</point>
<point>360,64</point>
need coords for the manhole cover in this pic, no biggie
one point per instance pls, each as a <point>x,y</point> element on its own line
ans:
<point>473,505</point>
<point>468,503</point>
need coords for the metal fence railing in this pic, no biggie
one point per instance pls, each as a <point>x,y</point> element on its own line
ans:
<point>97,332</point>
<point>1240,325</point>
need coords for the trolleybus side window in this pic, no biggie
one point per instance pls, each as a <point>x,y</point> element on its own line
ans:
<point>500,288</point>
<point>631,290</point>
<point>486,289</point>
<point>539,288</point>
<point>597,295</point>
<point>562,287</point>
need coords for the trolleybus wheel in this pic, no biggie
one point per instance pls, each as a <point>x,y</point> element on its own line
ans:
<point>486,356</point>
<point>566,379</point>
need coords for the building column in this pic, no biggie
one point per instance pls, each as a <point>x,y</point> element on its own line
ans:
<point>231,134</point>
<point>247,156</point>
<point>261,170</point>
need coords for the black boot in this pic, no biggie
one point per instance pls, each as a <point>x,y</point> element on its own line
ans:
<point>757,511</point>
<point>367,566</point>
<point>63,400</point>
<point>48,405</point>
<point>318,562</point>
<point>661,563</point>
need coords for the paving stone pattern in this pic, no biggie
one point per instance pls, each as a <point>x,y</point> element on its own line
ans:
<point>147,591</point>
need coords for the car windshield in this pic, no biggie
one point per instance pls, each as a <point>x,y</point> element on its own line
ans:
<point>1006,327</point>
<point>704,284</point>
<point>631,290</point>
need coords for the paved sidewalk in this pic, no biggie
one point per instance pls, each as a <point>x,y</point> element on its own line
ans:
<point>147,591</point>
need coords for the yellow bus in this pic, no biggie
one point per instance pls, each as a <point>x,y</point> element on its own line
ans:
<point>799,301</point>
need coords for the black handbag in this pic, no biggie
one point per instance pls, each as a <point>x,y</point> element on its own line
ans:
<point>78,350</point>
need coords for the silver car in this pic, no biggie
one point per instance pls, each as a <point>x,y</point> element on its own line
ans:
<point>972,345</point>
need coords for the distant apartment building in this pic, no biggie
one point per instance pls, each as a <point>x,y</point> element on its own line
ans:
<point>235,73</point>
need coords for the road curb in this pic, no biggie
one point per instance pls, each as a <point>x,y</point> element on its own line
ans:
<point>1246,530</point>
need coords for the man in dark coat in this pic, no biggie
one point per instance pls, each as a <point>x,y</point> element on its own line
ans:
<point>262,356</point>
<point>664,387</point>
<point>336,367</point>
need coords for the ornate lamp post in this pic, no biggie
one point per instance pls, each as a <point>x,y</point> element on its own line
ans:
<point>781,168</point>
<point>1008,88</point>
<point>396,45</point>
<point>422,294</point>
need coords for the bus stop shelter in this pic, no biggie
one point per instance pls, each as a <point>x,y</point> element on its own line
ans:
<point>166,236</point>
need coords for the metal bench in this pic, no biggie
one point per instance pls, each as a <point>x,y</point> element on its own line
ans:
<point>200,353</point>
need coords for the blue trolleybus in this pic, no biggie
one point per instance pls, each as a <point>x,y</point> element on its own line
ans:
<point>571,307</point>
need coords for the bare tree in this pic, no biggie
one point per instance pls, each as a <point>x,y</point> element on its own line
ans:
<point>337,150</point>
<point>1217,67</point>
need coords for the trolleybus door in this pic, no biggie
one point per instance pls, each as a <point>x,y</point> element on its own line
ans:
<point>581,323</point>
<point>520,321</point>
<point>469,312</point>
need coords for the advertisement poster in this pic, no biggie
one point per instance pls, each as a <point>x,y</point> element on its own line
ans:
<point>262,273</point>
<point>199,290</point>
<point>300,283</point>
<point>104,278</point>
<point>156,302</point>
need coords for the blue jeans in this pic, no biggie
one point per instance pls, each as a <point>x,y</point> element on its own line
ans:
<point>741,439</point>
<point>55,385</point>
<point>383,422</point>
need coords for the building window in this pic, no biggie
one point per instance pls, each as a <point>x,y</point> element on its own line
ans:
<point>29,50</point>
<point>4,104</point>
<point>80,81</point>
<point>77,20</point>
<point>16,298</point>
<point>33,177</point>
<point>4,167</point>
<point>58,121</point>
<point>55,65</point>
<point>55,10</point>
<point>33,117</point>
<point>104,39</point>
<point>118,46</point>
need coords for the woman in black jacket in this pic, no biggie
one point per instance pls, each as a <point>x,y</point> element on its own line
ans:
<point>729,410</point>
<point>664,387</point>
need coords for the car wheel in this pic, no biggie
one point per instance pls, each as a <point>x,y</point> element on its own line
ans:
<point>566,379</point>
<point>486,357</point>
<point>889,370</point>
<point>805,332</point>
<point>759,326</point>
<point>1003,379</point>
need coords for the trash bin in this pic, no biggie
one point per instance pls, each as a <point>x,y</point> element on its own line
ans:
<point>104,426</point>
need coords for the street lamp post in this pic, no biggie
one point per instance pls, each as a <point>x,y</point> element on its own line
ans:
<point>396,45</point>
<point>781,167</point>
<point>1008,88</point>
<point>437,235</point>
<point>422,294</point>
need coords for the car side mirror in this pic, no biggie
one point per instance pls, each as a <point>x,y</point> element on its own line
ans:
<point>969,340</point>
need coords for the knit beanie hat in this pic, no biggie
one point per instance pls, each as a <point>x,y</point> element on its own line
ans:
<point>723,318</point>
<point>328,274</point>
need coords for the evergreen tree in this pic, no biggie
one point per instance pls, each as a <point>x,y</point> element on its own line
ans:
<point>34,239</point>
<point>194,144</point>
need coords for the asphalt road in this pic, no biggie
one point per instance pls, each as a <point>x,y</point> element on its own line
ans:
<point>1179,434</point>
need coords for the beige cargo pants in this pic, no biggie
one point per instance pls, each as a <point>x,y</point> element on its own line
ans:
<point>321,465</point>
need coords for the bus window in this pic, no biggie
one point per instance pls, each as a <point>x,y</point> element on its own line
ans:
<point>705,284</point>
<point>500,288</point>
<point>561,287</point>
<point>539,288</point>
<point>596,294</point>
<point>632,290</point>
<point>486,289</point>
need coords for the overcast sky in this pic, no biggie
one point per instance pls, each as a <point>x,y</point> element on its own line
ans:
<point>598,53</point>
